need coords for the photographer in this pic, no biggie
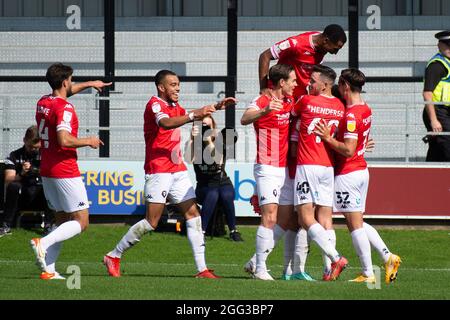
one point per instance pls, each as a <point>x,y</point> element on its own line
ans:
<point>208,154</point>
<point>23,184</point>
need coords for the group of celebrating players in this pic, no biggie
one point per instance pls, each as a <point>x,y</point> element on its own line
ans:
<point>310,163</point>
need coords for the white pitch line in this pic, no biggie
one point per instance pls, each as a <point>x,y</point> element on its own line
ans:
<point>189,264</point>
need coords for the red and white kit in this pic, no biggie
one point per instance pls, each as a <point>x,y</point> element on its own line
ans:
<point>272,134</point>
<point>314,177</point>
<point>165,172</point>
<point>63,186</point>
<point>299,52</point>
<point>352,176</point>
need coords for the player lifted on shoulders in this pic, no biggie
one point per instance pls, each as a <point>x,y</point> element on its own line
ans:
<point>352,176</point>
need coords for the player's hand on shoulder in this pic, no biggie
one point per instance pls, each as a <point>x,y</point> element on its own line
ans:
<point>274,105</point>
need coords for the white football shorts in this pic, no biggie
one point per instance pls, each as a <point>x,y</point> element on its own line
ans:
<point>65,194</point>
<point>269,180</point>
<point>314,184</point>
<point>350,191</point>
<point>175,187</point>
<point>287,193</point>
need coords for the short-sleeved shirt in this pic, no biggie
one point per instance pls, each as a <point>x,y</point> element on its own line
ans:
<point>355,125</point>
<point>272,132</point>
<point>310,110</point>
<point>52,115</point>
<point>298,51</point>
<point>162,147</point>
<point>17,158</point>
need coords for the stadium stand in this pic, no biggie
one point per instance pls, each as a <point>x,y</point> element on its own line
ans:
<point>397,129</point>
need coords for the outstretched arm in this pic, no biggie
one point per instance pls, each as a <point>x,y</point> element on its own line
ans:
<point>97,85</point>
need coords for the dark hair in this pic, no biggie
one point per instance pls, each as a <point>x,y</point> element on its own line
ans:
<point>159,77</point>
<point>32,135</point>
<point>57,73</point>
<point>355,78</point>
<point>335,33</point>
<point>325,71</point>
<point>280,71</point>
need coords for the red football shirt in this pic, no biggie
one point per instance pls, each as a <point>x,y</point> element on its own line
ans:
<point>310,110</point>
<point>355,125</point>
<point>54,114</point>
<point>299,52</point>
<point>272,132</point>
<point>162,147</point>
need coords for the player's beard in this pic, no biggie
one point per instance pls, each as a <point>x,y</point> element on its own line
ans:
<point>69,91</point>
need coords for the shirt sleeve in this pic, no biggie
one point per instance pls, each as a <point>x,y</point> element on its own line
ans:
<point>64,118</point>
<point>351,127</point>
<point>159,112</point>
<point>433,75</point>
<point>10,162</point>
<point>255,104</point>
<point>283,48</point>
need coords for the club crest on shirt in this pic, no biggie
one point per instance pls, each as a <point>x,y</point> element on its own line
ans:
<point>351,125</point>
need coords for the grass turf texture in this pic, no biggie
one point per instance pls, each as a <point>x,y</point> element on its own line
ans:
<point>161,266</point>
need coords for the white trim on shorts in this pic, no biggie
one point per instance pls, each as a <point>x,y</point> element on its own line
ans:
<point>314,184</point>
<point>65,194</point>
<point>269,180</point>
<point>176,187</point>
<point>350,191</point>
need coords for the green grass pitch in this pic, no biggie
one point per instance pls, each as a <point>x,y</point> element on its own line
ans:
<point>161,267</point>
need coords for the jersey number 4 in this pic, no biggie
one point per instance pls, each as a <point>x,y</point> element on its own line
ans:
<point>43,133</point>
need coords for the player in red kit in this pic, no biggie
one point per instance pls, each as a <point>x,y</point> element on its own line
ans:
<point>352,176</point>
<point>270,115</point>
<point>301,52</point>
<point>64,189</point>
<point>314,178</point>
<point>166,176</point>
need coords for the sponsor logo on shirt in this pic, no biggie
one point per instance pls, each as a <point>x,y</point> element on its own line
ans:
<point>351,125</point>
<point>156,107</point>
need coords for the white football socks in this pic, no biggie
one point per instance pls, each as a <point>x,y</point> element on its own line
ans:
<point>319,235</point>
<point>197,241</point>
<point>65,231</point>
<point>289,248</point>
<point>278,233</point>
<point>376,242</point>
<point>264,245</point>
<point>132,237</point>
<point>327,261</point>
<point>52,255</point>
<point>362,247</point>
<point>301,251</point>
